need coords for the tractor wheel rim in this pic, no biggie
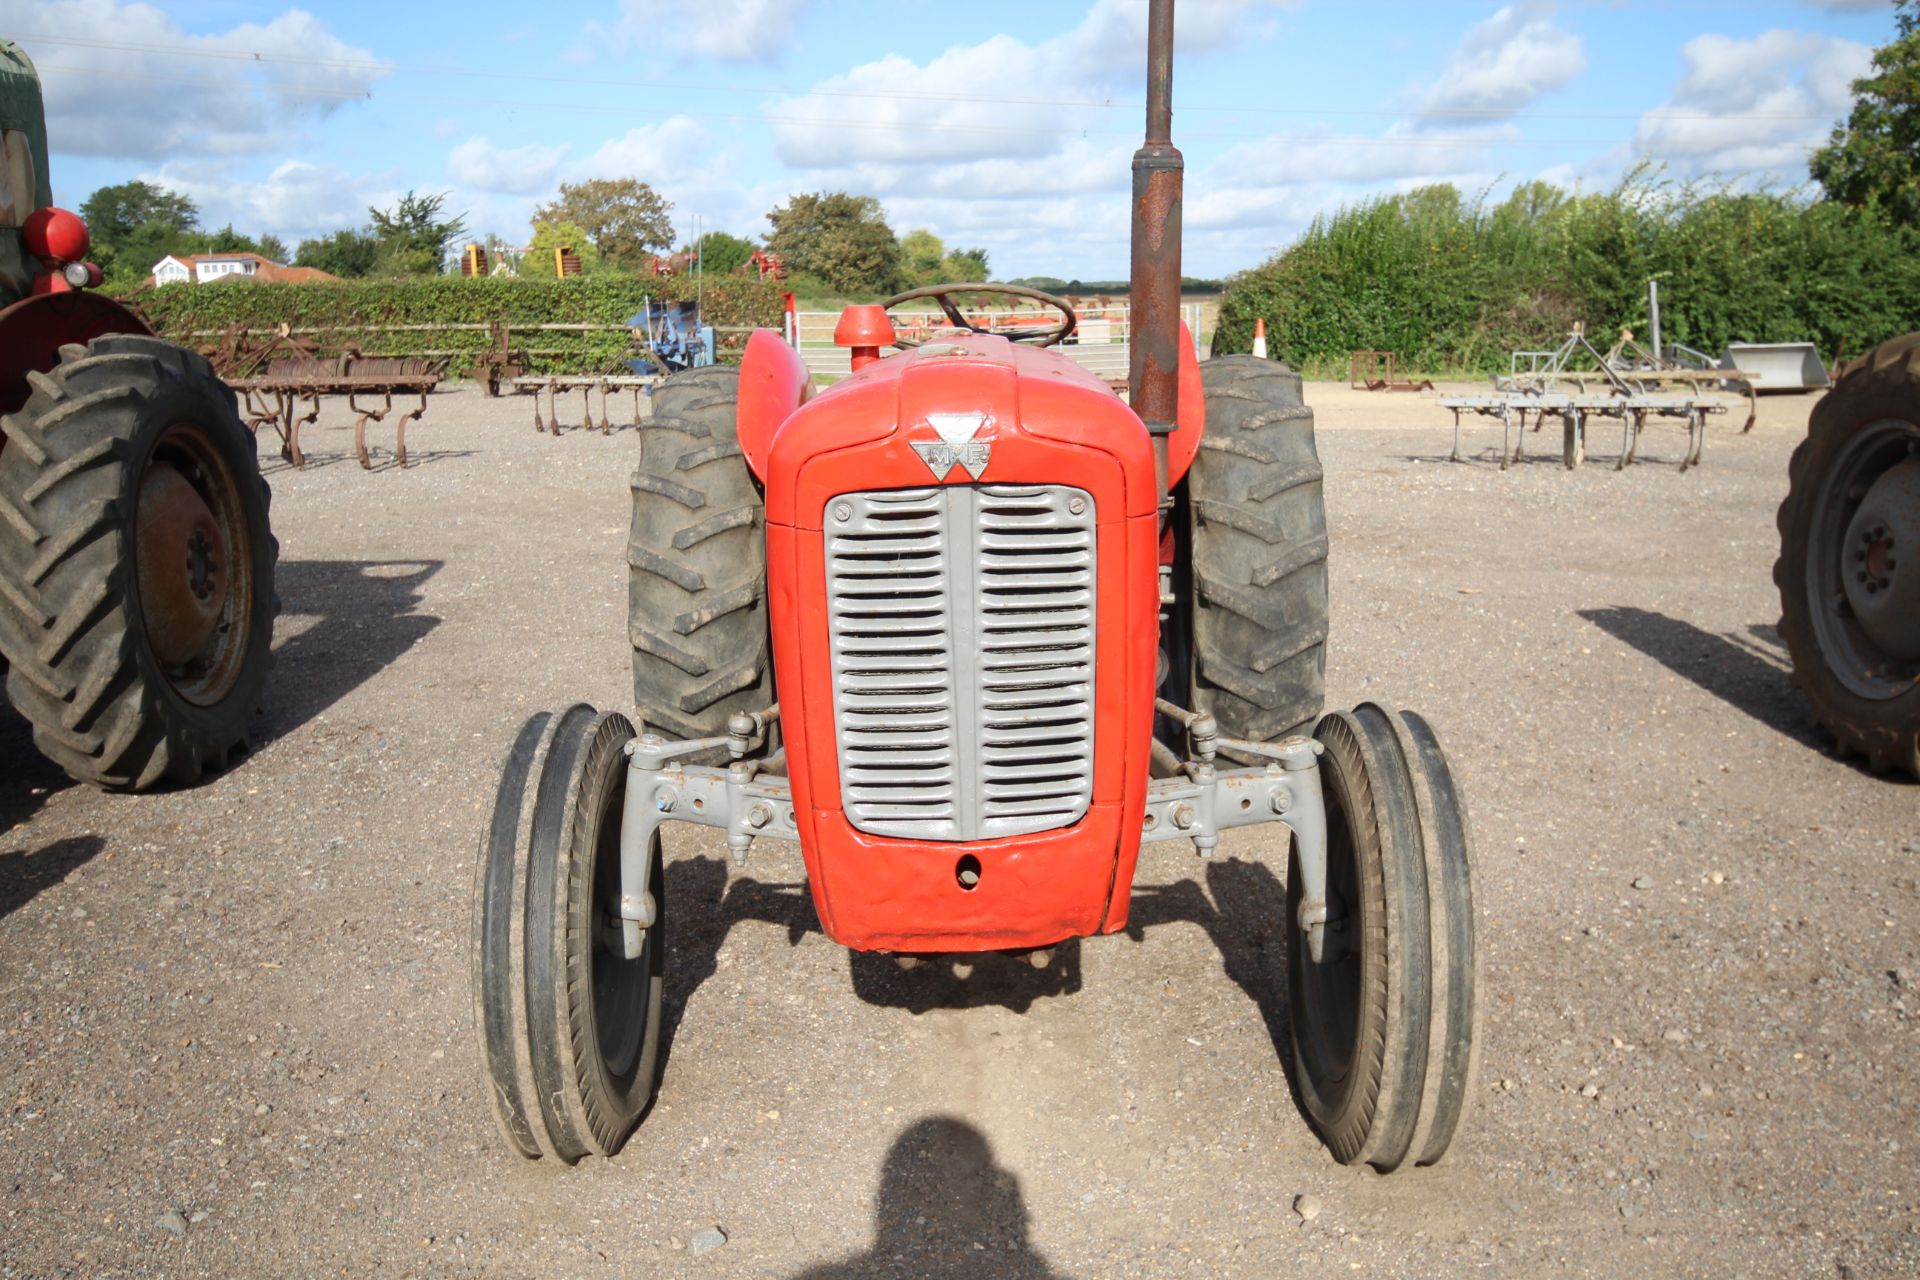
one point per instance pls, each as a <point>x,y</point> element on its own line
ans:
<point>193,559</point>
<point>1330,987</point>
<point>1880,562</point>
<point>1858,526</point>
<point>620,986</point>
<point>181,559</point>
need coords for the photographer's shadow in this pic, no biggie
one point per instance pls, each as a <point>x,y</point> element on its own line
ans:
<point>946,1210</point>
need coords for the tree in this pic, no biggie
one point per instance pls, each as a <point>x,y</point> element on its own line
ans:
<point>925,259</point>
<point>346,253</point>
<point>114,213</point>
<point>414,237</point>
<point>1874,159</point>
<point>965,264</point>
<point>549,236</point>
<point>721,253</point>
<point>623,218</point>
<point>843,239</point>
<point>920,254</point>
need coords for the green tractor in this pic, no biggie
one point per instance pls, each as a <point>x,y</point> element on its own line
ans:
<point>136,561</point>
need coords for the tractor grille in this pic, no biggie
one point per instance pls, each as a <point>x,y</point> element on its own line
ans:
<point>962,632</point>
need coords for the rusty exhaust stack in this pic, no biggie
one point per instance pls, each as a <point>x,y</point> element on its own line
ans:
<point>1153,381</point>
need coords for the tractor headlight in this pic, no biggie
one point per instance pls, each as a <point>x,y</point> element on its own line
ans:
<point>77,274</point>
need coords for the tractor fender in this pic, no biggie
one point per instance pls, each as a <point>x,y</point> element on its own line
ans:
<point>773,383</point>
<point>33,330</point>
<point>1191,417</point>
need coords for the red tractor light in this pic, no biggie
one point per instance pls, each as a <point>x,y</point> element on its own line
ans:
<point>81,275</point>
<point>55,236</point>
<point>866,329</point>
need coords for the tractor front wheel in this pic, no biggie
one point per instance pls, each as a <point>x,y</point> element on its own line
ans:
<point>1257,534</point>
<point>569,1026</point>
<point>1383,1019</point>
<point>136,565</point>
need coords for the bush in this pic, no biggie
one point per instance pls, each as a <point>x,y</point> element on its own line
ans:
<point>1453,287</point>
<point>353,311</point>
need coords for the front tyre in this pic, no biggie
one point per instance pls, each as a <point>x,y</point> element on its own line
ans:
<point>1384,1021</point>
<point>136,565</point>
<point>569,1027</point>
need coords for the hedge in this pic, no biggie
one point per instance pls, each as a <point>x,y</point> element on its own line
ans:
<point>1453,287</point>
<point>354,312</point>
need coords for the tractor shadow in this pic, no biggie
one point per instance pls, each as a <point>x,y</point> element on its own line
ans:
<point>1243,910</point>
<point>974,980</point>
<point>29,779</point>
<point>366,616</point>
<point>706,905</point>
<point>24,876</point>
<point>1748,676</point>
<point>946,1210</point>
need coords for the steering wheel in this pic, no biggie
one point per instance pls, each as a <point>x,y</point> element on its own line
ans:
<point>943,294</point>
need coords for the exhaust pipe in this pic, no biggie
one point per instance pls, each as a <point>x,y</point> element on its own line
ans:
<point>1153,381</point>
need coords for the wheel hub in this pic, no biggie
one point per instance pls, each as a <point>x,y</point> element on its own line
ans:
<point>181,560</point>
<point>1880,562</point>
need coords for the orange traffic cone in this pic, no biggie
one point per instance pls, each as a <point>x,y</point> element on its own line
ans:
<point>1260,338</point>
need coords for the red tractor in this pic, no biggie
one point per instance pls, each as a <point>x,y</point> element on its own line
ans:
<point>136,564</point>
<point>972,630</point>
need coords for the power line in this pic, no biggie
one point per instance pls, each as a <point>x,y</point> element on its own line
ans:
<point>1406,141</point>
<point>886,95</point>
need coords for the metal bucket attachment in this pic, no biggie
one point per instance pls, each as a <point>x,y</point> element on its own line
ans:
<point>1778,366</point>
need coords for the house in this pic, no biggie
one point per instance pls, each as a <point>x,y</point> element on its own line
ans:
<point>246,268</point>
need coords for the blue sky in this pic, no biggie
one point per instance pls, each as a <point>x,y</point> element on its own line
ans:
<point>995,123</point>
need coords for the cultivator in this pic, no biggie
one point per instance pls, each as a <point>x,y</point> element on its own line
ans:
<point>1576,382</point>
<point>555,386</point>
<point>282,379</point>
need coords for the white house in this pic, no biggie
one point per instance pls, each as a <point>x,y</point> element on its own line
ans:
<point>204,268</point>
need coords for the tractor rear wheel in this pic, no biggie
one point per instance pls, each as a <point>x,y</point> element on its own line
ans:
<point>1384,1019</point>
<point>1849,566</point>
<point>697,563</point>
<point>136,565</point>
<point>1258,534</point>
<point>569,1027</point>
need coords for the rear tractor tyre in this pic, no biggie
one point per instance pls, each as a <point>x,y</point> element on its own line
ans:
<point>1849,566</point>
<point>697,564</point>
<point>1384,1022</point>
<point>1258,538</point>
<point>136,565</point>
<point>569,1027</point>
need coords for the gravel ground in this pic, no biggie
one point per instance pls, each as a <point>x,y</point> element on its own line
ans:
<point>236,1035</point>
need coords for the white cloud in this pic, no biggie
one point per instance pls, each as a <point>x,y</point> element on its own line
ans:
<point>1503,64</point>
<point>297,199</point>
<point>478,163</point>
<point>997,98</point>
<point>1753,106</point>
<point>729,30</point>
<point>242,91</point>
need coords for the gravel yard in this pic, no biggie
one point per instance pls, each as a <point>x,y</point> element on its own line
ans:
<point>236,1031</point>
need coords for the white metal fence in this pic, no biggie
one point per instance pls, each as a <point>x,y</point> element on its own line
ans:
<point>1100,340</point>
